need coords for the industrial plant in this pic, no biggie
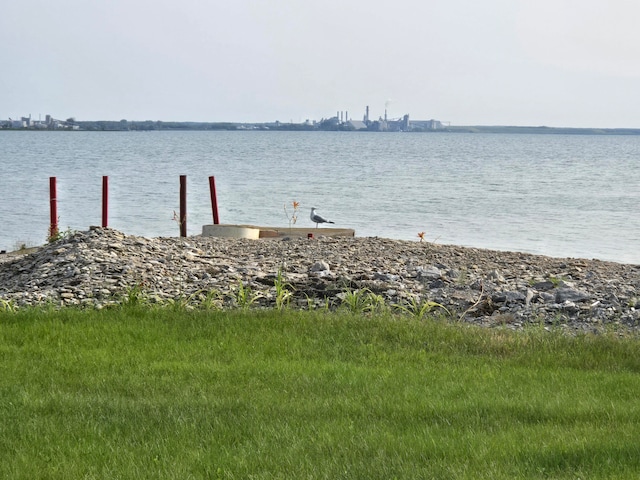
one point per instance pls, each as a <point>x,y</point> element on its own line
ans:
<point>49,123</point>
<point>340,122</point>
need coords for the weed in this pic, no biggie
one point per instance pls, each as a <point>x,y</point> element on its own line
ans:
<point>293,218</point>
<point>55,235</point>
<point>245,297</point>
<point>21,246</point>
<point>183,302</point>
<point>311,303</point>
<point>326,303</point>
<point>135,296</point>
<point>314,303</point>
<point>361,300</point>
<point>8,306</point>
<point>557,281</point>
<point>211,300</point>
<point>283,293</point>
<point>377,302</point>
<point>463,277</point>
<point>419,308</point>
<point>557,320</point>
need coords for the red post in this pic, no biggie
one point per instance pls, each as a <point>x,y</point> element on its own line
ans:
<point>105,201</point>
<point>214,200</point>
<point>53,203</point>
<point>183,205</point>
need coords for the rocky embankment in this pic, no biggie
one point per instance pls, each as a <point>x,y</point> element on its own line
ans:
<point>103,266</point>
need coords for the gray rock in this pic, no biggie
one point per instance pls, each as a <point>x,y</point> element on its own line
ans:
<point>547,297</point>
<point>544,286</point>
<point>496,276</point>
<point>571,295</point>
<point>428,274</point>
<point>508,297</point>
<point>387,277</point>
<point>530,295</point>
<point>320,266</point>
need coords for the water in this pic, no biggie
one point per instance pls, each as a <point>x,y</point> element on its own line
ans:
<point>559,195</point>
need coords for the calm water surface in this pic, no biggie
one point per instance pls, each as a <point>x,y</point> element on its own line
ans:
<point>559,195</point>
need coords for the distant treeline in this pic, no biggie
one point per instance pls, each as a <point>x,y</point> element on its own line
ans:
<point>124,125</point>
<point>106,125</point>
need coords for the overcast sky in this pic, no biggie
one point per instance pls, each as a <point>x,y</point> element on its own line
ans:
<point>468,62</point>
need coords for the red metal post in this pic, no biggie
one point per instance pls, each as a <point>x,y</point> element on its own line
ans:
<point>53,203</point>
<point>105,201</point>
<point>214,200</point>
<point>183,205</point>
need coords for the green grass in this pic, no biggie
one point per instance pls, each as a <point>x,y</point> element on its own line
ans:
<point>157,393</point>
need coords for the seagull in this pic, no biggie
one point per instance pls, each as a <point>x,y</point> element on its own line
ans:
<point>317,218</point>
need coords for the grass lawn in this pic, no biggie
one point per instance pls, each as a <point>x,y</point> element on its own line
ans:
<point>161,393</point>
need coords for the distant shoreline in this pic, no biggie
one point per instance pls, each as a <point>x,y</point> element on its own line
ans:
<point>245,127</point>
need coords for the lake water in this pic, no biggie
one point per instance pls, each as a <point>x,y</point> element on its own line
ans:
<point>558,195</point>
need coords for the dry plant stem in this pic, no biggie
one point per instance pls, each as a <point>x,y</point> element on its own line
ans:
<point>463,314</point>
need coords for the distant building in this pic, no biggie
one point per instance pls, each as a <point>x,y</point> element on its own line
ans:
<point>426,125</point>
<point>49,123</point>
<point>357,125</point>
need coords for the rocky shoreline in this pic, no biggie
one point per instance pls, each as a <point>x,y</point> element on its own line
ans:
<point>102,267</point>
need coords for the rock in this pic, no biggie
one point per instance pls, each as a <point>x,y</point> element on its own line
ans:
<point>571,295</point>
<point>386,277</point>
<point>544,286</point>
<point>428,274</point>
<point>495,276</point>
<point>103,266</point>
<point>508,297</point>
<point>529,297</point>
<point>547,297</point>
<point>320,267</point>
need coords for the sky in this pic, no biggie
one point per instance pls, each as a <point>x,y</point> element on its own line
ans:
<point>559,63</point>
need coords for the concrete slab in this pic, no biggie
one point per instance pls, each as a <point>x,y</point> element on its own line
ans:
<point>253,231</point>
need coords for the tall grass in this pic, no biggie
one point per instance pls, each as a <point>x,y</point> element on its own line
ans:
<point>156,393</point>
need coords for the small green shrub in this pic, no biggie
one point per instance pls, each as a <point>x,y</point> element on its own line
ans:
<point>283,292</point>
<point>60,234</point>
<point>419,308</point>
<point>135,296</point>
<point>210,300</point>
<point>245,296</point>
<point>361,300</point>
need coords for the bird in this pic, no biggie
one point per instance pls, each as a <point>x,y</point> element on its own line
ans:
<point>317,218</point>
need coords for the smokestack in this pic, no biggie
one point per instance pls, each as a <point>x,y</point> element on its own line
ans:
<point>385,114</point>
<point>346,116</point>
<point>367,115</point>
